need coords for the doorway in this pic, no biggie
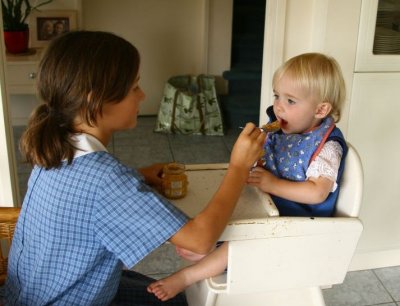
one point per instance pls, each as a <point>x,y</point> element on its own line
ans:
<point>242,103</point>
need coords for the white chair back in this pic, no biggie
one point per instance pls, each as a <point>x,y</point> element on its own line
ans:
<point>351,186</point>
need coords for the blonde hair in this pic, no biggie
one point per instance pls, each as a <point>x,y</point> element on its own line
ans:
<point>320,75</point>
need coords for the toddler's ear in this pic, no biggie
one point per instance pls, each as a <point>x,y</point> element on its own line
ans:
<point>323,110</point>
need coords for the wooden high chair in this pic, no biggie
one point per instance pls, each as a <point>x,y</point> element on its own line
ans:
<point>8,219</point>
<point>278,260</point>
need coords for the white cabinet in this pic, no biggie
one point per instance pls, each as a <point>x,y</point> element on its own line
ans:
<point>374,130</point>
<point>21,78</point>
<point>21,73</point>
<point>379,36</point>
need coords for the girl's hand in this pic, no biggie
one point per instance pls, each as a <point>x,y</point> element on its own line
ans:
<point>262,179</point>
<point>152,175</point>
<point>248,147</point>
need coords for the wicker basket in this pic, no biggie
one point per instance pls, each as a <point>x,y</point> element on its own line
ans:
<point>8,220</point>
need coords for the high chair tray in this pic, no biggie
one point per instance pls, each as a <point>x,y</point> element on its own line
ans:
<point>204,180</point>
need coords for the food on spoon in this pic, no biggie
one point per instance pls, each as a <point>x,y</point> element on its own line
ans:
<point>271,127</point>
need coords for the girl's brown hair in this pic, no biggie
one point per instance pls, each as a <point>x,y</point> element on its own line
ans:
<point>320,75</point>
<point>79,72</point>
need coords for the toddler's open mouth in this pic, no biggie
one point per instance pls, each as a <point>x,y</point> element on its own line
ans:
<point>283,122</point>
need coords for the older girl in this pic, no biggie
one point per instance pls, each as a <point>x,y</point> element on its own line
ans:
<point>85,215</point>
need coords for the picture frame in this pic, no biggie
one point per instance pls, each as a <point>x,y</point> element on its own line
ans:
<point>46,25</point>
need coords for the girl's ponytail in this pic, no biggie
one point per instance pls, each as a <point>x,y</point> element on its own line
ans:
<point>46,139</point>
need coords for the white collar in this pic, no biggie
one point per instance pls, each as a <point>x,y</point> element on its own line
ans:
<point>86,144</point>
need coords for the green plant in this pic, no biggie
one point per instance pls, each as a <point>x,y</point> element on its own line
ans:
<point>15,13</point>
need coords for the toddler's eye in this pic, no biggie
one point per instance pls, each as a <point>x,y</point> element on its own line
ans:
<point>290,101</point>
<point>275,96</point>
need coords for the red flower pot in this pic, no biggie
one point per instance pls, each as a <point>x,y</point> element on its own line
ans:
<point>16,41</point>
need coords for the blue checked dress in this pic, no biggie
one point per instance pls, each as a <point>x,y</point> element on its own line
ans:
<point>79,225</point>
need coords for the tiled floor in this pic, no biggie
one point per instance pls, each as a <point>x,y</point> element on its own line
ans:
<point>142,147</point>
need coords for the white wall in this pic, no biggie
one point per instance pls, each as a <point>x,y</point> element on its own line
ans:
<point>219,40</point>
<point>328,26</point>
<point>170,36</point>
<point>174,37</point>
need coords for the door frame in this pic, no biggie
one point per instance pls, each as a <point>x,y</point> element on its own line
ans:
<point>274,34</point>
<point>9,193</point>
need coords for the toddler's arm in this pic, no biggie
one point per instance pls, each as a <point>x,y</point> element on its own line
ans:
<point>312,191</point>
<point>321,178</point>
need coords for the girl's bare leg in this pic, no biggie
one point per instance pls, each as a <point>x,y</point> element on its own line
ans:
<point>211,265</point>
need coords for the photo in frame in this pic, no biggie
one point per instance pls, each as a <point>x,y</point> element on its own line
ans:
<point>45,25</point>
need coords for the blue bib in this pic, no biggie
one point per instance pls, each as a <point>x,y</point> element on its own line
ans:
<point>289,156</point>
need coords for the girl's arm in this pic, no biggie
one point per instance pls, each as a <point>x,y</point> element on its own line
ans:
<point>200,233</point>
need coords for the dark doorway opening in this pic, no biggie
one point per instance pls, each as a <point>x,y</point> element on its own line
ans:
<point>242,103</point>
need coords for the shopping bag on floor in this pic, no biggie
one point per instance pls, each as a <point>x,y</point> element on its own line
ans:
<point>190,106</point>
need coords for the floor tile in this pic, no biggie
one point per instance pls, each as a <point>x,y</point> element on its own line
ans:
<point>390,278</point>
<point>141,146</point>
<point>230,138</point>
<point>148,120</point>
<point>198,149</point>
<point>137,155</point>
<point>142,133</point>
<point>163,260</point>
<point>159,275</point>
<point>359,288</point>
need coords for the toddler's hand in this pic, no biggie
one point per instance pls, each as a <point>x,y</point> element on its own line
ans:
<point>262,179</point>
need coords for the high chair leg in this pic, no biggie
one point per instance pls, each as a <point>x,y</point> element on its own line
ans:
<point>198,294</point>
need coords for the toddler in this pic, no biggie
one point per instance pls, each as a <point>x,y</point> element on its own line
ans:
<point>303,161</point>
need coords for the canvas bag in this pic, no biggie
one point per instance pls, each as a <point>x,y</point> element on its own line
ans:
<point>190,106</point>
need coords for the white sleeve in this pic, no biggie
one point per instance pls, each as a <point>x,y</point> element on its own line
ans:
<point>327,162</point>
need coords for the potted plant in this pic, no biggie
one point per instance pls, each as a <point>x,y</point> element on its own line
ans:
<point>16,30</point>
